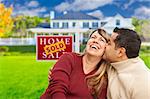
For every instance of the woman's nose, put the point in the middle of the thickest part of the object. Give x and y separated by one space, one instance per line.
95 41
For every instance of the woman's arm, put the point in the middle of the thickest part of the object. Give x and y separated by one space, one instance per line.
58 87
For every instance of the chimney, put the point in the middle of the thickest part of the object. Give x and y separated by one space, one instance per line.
52 14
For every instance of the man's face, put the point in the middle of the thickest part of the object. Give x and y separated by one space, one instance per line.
111 53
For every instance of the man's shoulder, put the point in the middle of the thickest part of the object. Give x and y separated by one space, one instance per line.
110 70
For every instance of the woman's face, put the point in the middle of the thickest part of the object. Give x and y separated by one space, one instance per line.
96 45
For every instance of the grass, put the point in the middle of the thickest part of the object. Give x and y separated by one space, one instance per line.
146 58
22 77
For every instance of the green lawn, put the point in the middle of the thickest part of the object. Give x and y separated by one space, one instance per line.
146 58
22 77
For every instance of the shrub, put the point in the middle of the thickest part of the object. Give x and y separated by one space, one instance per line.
4 49
145 49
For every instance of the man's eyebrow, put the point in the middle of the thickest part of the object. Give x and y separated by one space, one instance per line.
108 40
111 39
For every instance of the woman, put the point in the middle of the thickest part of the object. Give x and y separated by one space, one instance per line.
81 76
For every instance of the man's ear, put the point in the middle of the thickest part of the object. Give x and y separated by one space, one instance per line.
121 52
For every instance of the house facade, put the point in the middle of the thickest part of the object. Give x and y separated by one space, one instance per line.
73 20
77 20
117 21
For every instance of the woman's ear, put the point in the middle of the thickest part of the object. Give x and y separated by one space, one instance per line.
121 51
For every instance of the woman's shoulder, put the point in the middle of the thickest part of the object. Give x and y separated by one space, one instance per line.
71 54
71 57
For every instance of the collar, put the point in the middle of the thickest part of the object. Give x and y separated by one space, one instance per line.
126 64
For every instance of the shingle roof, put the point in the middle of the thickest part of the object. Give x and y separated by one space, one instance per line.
75 16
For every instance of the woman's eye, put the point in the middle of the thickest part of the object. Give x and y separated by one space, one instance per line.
92 37
102 40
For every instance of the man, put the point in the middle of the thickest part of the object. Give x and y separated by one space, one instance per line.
128 77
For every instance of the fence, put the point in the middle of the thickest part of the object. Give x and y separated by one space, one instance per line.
17 41
30 41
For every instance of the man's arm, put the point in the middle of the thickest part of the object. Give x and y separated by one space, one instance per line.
49 75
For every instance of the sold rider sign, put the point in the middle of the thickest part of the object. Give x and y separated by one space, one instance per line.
52 47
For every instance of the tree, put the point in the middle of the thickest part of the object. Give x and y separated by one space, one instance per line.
145 30
19 26
142 28
6 23
21 23
137 24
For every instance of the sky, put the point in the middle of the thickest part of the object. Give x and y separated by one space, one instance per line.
97 8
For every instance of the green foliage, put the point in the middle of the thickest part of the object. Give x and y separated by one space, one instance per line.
137 24
22 49
145 49
17 50
142 27
21 23
82 47
47 19
4 49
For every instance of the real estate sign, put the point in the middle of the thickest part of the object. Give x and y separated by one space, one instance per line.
52 47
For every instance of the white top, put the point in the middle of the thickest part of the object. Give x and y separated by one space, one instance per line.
129 79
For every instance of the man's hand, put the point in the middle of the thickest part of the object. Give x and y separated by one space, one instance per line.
49 76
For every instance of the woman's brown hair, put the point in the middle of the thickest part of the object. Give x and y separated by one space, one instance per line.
98 81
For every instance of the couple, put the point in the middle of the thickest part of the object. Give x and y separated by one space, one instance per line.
109 68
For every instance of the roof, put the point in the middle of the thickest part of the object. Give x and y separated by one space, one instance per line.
75 16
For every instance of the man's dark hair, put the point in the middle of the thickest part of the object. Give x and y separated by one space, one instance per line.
128 39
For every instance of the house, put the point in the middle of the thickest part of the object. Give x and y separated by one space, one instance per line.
73 20
119 21
84 21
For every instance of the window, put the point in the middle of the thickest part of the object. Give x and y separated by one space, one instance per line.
56 25
73 24
117 22
65 25
95 24
85 24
